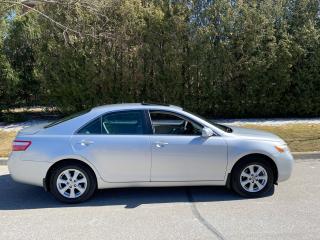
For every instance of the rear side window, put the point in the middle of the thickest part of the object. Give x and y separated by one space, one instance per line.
117 123
123 123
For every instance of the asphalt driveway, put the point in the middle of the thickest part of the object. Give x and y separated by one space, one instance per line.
292 212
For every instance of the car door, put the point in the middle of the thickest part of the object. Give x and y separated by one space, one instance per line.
180 153
118 145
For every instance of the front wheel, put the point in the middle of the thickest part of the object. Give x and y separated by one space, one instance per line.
72 183
253 178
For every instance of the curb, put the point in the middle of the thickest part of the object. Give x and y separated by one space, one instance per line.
3 161
306 155
296 155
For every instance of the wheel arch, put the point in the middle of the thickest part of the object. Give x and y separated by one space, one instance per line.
251 156
46 180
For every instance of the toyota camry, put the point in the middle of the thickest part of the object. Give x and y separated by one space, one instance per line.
146 145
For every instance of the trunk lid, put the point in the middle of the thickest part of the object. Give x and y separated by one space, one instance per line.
32 129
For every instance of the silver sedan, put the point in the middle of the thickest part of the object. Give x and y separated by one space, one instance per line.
146 145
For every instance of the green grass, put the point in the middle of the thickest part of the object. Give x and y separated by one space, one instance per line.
6 139
300 137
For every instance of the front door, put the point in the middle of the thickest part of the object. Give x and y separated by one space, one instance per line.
180 153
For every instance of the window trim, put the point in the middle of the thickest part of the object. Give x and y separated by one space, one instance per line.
146 130
175 114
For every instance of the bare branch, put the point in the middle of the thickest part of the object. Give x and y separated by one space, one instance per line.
60 25
82 4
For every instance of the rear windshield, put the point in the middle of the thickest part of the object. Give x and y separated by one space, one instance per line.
67 118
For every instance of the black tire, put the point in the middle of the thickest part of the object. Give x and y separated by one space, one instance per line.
88 174
238 169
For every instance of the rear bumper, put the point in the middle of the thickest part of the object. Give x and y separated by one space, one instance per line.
26 171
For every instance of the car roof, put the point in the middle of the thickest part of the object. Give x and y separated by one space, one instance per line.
131 106
70 126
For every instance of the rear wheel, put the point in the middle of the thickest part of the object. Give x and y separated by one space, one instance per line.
72 183
253 178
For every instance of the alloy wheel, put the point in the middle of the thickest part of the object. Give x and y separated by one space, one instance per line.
253 178
71 183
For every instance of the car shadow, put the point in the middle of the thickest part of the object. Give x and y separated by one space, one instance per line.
17 196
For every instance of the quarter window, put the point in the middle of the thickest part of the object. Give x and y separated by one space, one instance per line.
93 127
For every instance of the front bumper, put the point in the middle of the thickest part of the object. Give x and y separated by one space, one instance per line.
26 171
284 162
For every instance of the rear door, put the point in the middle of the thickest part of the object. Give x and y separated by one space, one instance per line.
118 145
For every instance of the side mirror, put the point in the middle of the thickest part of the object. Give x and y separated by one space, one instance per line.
207 132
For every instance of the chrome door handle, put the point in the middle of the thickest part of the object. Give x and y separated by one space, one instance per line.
160 144
86 142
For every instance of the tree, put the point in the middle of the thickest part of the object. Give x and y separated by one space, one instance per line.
8 77
220 58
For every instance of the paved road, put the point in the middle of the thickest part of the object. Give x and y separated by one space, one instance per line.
292 212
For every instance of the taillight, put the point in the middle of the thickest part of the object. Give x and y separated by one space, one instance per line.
19 145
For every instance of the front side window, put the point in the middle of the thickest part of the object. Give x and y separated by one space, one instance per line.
172 124
220 126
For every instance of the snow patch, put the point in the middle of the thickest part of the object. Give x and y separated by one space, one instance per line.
269 121
14 127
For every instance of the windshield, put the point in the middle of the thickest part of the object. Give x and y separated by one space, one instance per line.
66 118
220 126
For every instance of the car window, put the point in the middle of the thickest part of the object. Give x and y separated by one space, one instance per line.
220 126
67 118
129 122
93 127
172 124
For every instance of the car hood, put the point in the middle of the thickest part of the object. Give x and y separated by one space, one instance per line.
255 134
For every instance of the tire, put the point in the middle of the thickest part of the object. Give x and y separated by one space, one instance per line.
80 186
255 186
